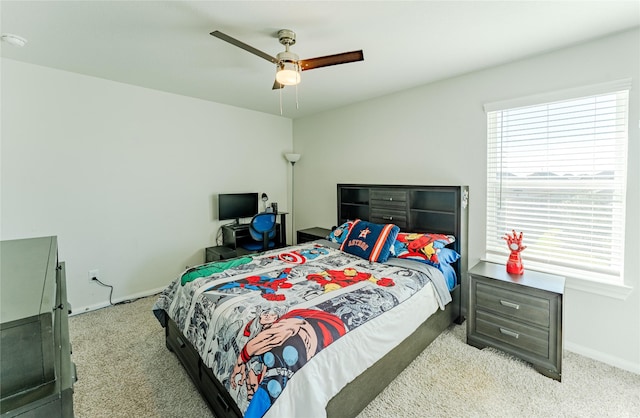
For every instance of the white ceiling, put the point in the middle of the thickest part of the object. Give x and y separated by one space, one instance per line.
165 45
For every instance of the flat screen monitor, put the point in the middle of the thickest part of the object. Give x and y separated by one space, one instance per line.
237 205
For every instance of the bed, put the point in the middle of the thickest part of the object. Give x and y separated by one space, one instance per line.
322 327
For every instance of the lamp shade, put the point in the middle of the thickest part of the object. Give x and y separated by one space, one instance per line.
292 158
288 69
288 75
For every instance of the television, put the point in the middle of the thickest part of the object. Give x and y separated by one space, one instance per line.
237 205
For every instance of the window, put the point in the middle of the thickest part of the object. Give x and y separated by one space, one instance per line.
556 171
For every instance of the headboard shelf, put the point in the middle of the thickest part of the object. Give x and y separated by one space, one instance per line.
433 200
355 195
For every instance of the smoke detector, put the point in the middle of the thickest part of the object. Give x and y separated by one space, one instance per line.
14 40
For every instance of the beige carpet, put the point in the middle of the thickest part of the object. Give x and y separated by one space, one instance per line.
125 370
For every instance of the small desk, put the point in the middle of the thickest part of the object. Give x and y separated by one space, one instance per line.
235 234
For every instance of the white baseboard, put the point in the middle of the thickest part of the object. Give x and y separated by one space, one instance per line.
89 308
604 358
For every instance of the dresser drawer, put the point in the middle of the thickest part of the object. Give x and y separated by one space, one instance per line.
512 304
522 337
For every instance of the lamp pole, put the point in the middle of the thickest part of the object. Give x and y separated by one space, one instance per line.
292 158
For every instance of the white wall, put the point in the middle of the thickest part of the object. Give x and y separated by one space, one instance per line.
126 177
436 134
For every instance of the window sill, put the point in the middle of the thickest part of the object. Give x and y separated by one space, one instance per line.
602 288
612 290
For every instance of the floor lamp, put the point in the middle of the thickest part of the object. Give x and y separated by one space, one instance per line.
292 158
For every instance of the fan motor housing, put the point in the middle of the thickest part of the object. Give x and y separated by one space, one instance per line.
287 56
287 37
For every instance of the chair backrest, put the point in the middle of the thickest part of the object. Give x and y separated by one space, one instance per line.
263 228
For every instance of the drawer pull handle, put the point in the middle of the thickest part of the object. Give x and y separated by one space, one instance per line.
509 333
222 402
180 342
509 304
390 199
388 218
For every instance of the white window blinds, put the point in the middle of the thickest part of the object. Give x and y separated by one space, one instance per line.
557 172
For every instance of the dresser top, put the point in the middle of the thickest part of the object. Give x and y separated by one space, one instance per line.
530 278
27 277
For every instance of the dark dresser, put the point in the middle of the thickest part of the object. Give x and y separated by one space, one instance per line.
518 314
36 371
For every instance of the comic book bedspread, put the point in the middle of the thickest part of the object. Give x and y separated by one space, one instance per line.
256 321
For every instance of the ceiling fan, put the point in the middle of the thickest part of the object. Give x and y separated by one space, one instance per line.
288 64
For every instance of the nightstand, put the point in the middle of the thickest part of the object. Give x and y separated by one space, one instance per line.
312 234
219 253
518 314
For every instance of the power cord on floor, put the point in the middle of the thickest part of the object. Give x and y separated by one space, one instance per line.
111 293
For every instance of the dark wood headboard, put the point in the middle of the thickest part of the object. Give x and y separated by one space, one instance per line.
440 209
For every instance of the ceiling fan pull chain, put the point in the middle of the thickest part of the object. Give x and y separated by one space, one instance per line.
280 93
297 107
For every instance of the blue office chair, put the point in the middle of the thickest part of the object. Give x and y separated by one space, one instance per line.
263 230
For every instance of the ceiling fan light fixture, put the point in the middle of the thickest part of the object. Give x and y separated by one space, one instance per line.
288 74
288 64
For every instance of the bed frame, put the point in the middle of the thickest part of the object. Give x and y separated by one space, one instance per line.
441 209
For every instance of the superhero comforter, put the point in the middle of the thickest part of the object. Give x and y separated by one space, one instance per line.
297 324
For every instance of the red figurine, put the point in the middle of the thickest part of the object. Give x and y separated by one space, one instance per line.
514 264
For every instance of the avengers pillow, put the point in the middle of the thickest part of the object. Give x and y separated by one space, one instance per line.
421 247
370 241
340 233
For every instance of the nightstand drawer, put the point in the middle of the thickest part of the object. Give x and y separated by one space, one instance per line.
514 305
521 336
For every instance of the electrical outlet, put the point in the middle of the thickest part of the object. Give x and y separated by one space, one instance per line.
94 273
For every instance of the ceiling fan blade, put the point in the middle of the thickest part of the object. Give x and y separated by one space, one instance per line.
239 44
344 58
277 85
